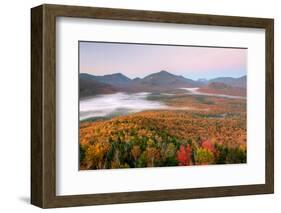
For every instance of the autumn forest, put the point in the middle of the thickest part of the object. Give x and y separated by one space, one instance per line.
192 113
187 129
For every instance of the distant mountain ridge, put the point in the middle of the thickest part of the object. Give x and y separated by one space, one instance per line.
163 80
234 82
89 86
156 82
116 79
222 88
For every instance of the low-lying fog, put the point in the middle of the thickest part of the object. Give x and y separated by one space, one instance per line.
117 104
111 105
194 91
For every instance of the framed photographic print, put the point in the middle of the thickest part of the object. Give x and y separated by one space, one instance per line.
137 106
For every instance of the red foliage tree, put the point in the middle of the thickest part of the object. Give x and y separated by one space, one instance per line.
184 155
208 145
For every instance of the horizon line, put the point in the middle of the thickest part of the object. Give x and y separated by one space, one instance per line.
162 71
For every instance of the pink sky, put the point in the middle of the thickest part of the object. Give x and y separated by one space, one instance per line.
135 60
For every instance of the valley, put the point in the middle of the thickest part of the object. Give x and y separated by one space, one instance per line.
161 120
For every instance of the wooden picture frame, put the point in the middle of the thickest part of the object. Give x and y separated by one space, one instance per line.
43 105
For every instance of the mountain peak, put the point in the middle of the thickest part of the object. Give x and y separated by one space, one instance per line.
164 72
116 74
168 80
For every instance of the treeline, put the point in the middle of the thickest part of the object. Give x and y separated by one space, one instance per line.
156 150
